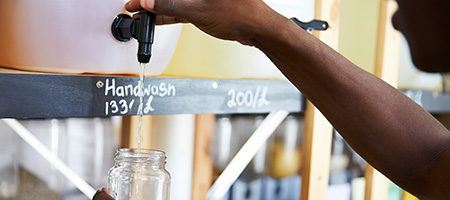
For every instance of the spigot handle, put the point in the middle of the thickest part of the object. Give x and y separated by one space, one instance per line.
142 29
121 27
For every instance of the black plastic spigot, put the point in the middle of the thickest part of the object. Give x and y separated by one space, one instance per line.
124 27
145 35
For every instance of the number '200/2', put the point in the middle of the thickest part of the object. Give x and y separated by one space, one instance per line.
248 98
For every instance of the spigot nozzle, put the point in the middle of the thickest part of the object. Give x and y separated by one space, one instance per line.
145 35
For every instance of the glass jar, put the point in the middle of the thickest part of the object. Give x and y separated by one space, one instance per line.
139 176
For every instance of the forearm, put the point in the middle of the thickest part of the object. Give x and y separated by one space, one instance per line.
384 126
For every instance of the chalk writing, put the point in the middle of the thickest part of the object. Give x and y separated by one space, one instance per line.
128 94
162 89
248 98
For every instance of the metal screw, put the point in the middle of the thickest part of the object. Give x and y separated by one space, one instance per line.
215 85
100 84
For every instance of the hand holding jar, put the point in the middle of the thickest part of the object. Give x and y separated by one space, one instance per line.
102 195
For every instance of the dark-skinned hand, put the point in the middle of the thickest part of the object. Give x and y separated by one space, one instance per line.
102 195
239 20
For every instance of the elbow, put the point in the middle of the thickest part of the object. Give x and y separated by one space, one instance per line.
436 183
431 190
430 178
434 196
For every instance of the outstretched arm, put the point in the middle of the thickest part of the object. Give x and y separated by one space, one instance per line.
389 130
385 127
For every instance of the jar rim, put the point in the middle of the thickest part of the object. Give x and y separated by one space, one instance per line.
145 155
143 151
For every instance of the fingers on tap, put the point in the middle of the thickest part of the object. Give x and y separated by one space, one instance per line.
137 5
133 5
162 19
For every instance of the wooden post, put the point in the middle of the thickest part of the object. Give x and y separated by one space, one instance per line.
125 132
388 44
130 127
318 131
317 151
202 175
376 184
386 67
328 10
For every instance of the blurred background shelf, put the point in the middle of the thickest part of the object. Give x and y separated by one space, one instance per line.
53 96
435 102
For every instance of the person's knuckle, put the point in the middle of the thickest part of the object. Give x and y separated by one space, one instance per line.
165 6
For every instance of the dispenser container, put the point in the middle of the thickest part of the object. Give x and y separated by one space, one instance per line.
250 184
285 149
74 37
224 144
255 170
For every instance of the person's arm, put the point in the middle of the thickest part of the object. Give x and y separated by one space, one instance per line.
385 127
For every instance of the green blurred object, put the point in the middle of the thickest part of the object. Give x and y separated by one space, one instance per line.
394 192
358 188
